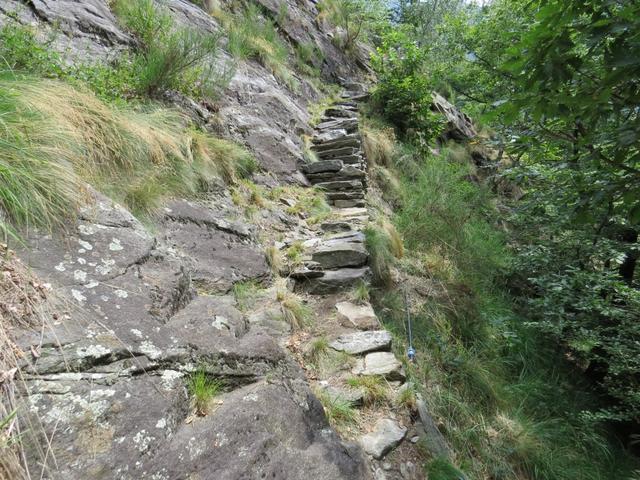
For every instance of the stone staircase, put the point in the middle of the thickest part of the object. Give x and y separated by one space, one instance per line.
335 261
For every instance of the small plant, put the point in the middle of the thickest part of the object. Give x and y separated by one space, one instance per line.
339 412
375 388
407 398
295 312
295 252
203 389
246 294
360 293
318 350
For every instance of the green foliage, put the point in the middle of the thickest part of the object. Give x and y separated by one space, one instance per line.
441 469
360 293
172 58
403 94
374 387
339 412
357 18
253 35
309 58
203 389
246 294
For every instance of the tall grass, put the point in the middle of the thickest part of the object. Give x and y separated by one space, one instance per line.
251 34
509 405
56 138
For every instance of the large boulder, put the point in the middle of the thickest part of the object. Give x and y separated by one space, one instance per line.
459 124
361 317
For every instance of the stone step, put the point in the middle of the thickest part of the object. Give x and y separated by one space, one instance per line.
352 315
347 140
334 281
340 112
335 226
348 124
358 213
386 435
340 254
380 363
355 396
323 166
354 195
337 153
331 136
362 342
348 203
341 185
346 173
350 236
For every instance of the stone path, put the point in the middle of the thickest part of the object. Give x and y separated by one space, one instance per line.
335 262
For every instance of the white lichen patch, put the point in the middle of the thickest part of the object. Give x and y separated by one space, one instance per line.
81 261
142 441
80 276
121 294
77 294
136 332
87 229
251 397
92 284
94 351
60 267
106 266
150 350
169 377
115 245
86 245
195 448
220 323
162 423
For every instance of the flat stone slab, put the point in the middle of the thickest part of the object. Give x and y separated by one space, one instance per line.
361 317
335 226
334 281
386 436
339 152
348 203
330 136
341 185
340 254
352 212
323 166
355 396
362 342
380 363
340 112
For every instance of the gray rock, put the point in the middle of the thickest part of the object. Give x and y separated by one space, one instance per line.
337 153
348 203
323 166
357 316
336 280
330 136
354 195
362 342
341 185
352 140
435 442
335 226
380 363
348 124
340 255
355 396
386 436
340 112
459 125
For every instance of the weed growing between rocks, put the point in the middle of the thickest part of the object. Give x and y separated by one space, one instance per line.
203 390
360 294
375 388
246 294
340 412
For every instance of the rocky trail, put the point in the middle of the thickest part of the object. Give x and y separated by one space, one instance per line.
137 311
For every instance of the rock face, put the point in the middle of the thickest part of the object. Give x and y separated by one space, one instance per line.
386 436
361 317
362 342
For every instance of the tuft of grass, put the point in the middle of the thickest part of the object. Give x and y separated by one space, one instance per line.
396 245
203 389
295 252
295 312
312 203
318 350
360 293
407 398
379 145
380 257
274 259
339 412
172 57
252 35
246 294
375 388
308 56
55 138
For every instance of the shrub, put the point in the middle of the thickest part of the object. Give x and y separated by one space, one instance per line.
356 18
172 58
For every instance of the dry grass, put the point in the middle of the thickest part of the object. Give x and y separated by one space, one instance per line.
23 304
379 145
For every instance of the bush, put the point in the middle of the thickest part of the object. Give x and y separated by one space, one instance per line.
172 58
403 94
